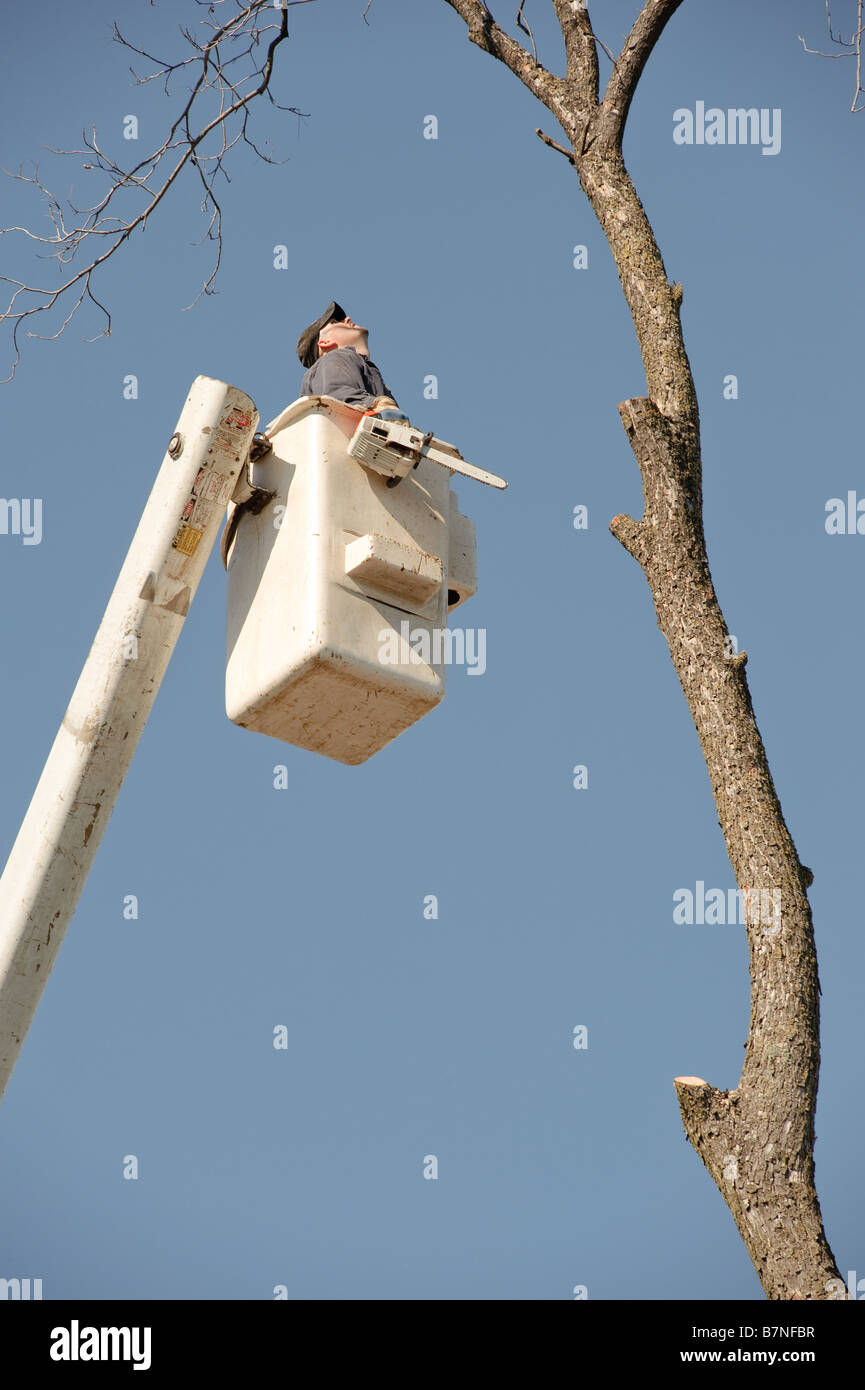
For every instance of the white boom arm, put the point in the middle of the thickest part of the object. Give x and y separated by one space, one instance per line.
75 796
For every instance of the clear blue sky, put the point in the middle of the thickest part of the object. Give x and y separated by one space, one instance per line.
304 907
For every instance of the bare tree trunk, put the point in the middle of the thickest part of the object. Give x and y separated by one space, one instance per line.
758 1140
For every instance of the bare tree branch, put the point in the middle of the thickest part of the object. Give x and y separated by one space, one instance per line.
853 47
580 50
483 31
230 73
628 67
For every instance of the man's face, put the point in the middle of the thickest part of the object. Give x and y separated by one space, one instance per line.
341 333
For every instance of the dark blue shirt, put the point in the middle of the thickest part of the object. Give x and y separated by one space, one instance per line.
347 375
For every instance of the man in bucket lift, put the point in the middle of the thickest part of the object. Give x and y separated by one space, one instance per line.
335 352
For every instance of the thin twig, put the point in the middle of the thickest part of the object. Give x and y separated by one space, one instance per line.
227 64
554 146
526 30
853 45
609 53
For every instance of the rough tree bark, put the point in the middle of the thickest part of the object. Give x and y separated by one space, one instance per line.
757 1141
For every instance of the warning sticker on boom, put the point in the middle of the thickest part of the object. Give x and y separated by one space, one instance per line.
212 486
210 491
186 540
239 418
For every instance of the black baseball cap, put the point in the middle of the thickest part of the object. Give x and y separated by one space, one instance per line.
307 343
